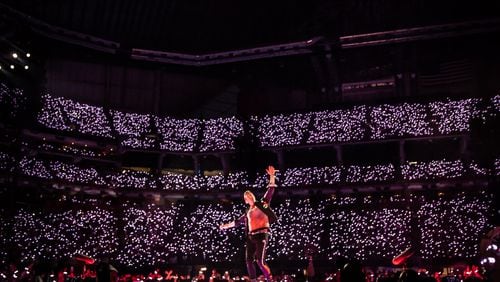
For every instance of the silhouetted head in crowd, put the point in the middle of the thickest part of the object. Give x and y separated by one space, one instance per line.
408 275
352 273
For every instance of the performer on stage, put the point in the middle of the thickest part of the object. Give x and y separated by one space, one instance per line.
257 219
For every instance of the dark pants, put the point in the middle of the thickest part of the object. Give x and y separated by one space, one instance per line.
256 251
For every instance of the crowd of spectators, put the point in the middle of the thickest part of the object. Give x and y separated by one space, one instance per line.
354 227
133 129
351 272
12 101
68 115
135 235
65 149
357 123
179 134
237 180
435 215
55 235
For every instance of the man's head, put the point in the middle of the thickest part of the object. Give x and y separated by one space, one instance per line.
249 197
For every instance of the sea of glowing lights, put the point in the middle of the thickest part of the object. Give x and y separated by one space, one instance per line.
292 177
360 227
187 135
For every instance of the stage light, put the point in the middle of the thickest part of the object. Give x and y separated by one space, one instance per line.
12 67
14 55
28 55
26 67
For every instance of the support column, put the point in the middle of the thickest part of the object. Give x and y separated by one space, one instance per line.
402 152
161 160
338 150
464 147
197 165
280 155
226 166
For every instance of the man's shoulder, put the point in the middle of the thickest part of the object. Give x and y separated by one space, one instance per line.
262 204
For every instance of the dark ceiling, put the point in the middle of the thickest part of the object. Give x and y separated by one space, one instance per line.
201 26
277 84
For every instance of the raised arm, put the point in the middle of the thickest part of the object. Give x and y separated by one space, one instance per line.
271 171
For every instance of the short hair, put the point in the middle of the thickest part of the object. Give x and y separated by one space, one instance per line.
248 192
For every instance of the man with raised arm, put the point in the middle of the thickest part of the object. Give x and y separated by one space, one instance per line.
257 219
